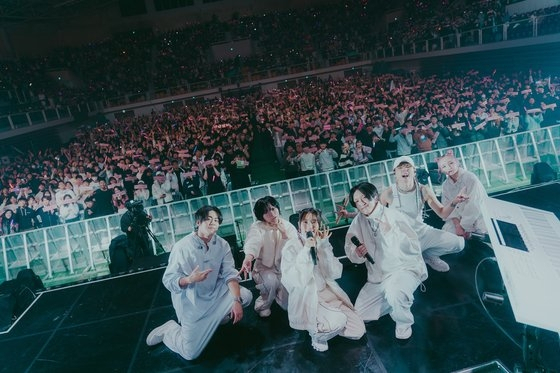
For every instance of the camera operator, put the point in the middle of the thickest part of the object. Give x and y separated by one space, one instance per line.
134 223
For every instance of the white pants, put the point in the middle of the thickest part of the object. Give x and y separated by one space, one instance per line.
478 227
436 242
271 289
394 296
333 314
190 338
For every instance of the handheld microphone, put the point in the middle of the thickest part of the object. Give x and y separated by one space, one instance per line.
357 242
312 249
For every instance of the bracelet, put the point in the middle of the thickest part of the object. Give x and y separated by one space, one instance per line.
238 299
453 204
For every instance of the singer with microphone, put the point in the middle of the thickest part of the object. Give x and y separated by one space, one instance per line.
383 239
316 303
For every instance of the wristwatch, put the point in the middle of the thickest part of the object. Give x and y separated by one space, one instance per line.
238 299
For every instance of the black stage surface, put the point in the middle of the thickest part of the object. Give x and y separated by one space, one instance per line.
102 326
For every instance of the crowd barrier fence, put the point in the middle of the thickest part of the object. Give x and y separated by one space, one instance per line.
79 251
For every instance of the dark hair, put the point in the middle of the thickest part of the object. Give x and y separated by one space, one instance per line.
367 189
263 205
310 210
203 212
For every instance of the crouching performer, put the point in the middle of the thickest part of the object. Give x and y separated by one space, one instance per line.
316 303
204 288
383 238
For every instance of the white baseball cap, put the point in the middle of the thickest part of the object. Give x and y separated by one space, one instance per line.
403 159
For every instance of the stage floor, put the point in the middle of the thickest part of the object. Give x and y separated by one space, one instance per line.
101 326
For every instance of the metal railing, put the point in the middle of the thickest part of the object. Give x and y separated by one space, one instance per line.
77 251
13 122
515 29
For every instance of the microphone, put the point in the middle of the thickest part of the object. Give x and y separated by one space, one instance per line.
357 242
312 250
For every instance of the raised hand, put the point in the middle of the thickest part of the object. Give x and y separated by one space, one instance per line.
279 224
197 275
246 267
460 197
323 232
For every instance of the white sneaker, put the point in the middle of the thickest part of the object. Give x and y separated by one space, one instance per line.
259 303
319 345
264 313
480 237
403 332
436 263
156 335
319 340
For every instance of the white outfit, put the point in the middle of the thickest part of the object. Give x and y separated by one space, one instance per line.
173 182
69 211
316 302
59 196
158 190
398 267
265 244
306 162
201 306
325 160
469 212
434 242
141 194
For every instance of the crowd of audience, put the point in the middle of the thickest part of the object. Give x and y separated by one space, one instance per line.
421 22
141 61
205 147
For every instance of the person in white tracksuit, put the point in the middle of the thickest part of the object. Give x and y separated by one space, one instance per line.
316 303
409 196
384 240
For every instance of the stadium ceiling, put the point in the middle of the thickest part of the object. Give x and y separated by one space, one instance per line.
21 11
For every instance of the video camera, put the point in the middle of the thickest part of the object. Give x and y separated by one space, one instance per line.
139 216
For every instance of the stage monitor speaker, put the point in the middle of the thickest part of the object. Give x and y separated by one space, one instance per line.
542 173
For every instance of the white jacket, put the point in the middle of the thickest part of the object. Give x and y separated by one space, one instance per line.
265 244
162 192
300 277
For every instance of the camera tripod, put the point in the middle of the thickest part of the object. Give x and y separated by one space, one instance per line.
159 247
